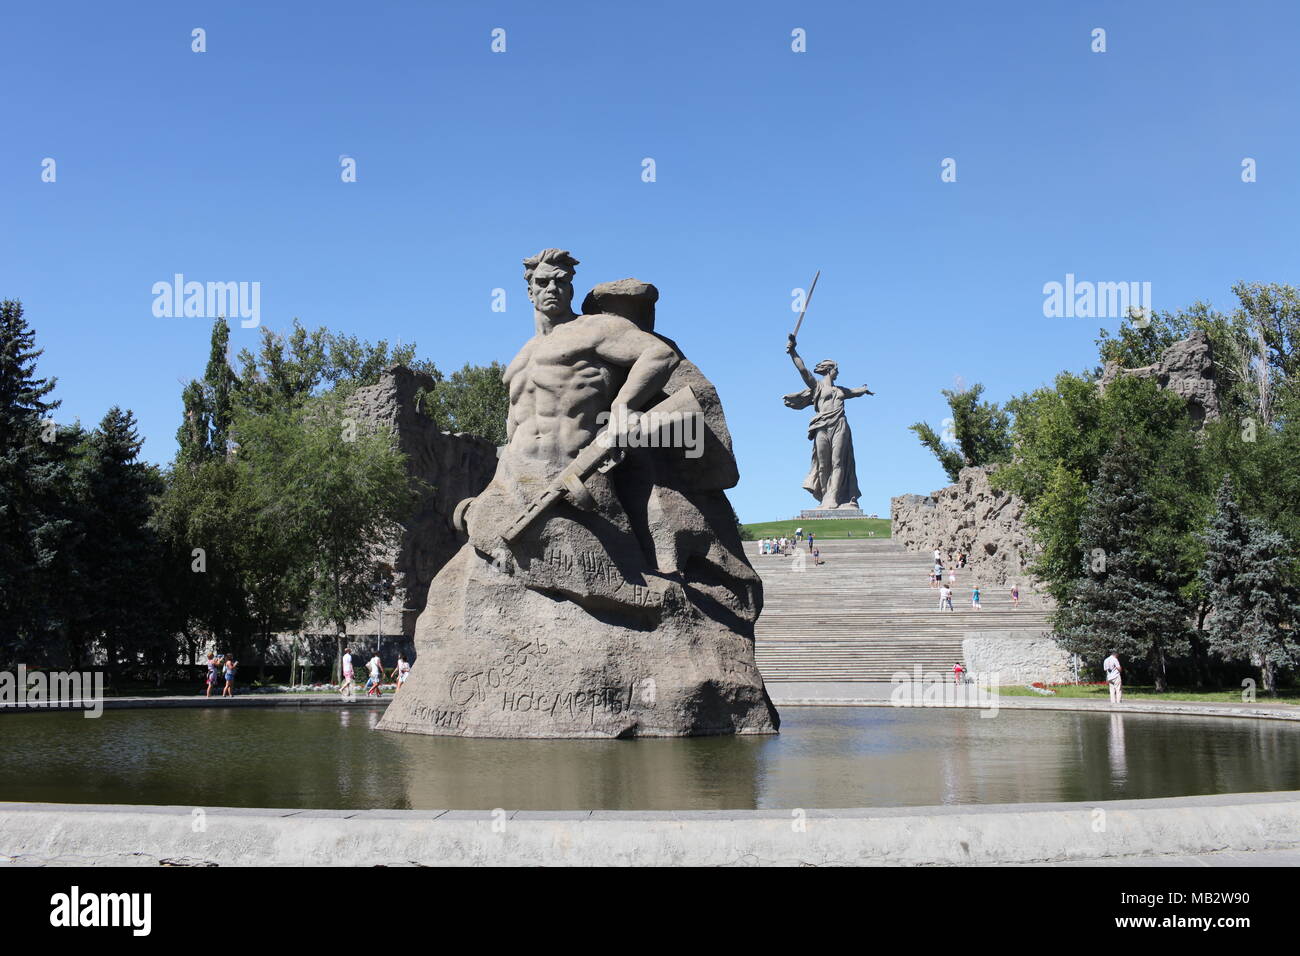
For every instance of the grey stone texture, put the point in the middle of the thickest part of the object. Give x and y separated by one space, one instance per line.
452 466
1016 658
971 516
1186 368
604 590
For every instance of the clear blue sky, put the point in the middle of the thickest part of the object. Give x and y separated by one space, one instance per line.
224 166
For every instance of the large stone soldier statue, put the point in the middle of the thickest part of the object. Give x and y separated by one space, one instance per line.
603 590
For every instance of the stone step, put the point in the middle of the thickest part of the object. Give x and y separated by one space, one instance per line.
869 613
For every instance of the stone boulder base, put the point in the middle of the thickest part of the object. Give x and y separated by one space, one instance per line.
504 660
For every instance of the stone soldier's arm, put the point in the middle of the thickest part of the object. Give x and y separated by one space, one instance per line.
648 360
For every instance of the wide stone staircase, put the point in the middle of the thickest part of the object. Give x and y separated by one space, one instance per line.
867 613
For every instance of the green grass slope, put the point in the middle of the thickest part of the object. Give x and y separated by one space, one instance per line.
827 529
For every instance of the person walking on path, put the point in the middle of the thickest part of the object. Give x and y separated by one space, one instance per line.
375 669
348 689
958 672
401 671
952 577
975 598
945 598
228 667
1113 679
212 673
1015 596
811 535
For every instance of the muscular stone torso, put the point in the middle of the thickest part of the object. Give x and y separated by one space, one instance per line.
558 386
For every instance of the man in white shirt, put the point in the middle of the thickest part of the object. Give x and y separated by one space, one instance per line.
376 670
1111 666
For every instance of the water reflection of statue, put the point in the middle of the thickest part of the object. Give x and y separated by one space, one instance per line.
833 478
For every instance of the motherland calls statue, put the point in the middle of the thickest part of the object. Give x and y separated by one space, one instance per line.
833 478
603 590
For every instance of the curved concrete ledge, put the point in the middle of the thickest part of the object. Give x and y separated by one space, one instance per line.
61 834
1142 706
1185 708
243 700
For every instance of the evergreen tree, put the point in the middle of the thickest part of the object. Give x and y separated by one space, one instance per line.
1246 577
119 552
34 474
1127 597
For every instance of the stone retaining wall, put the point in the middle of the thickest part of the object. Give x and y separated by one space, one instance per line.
1017 657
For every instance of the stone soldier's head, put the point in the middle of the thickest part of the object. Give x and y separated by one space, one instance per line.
549 275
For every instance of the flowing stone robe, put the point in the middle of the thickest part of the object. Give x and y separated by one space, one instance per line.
833 466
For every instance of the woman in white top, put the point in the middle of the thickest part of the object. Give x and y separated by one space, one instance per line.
402 670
